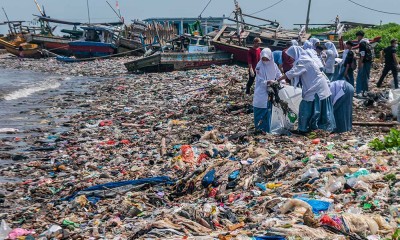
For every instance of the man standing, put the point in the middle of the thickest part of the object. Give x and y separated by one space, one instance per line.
391 63
253 57
364 64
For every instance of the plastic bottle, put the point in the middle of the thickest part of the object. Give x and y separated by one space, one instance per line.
4 230
310 173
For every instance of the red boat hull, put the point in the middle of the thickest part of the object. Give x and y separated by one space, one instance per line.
239 53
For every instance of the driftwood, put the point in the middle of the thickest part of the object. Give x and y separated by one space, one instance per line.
377 124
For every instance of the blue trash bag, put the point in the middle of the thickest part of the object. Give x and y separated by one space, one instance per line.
208 178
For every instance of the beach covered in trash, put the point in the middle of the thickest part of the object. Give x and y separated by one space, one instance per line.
175 156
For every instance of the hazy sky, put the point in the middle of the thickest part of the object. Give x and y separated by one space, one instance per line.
286 12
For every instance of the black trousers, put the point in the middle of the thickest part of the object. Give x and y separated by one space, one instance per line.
250 83
385 71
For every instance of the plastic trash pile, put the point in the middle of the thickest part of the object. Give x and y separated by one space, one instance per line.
174 156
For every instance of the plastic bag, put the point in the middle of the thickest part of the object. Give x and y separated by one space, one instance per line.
4 230
394 101
310 173
281 123
208 178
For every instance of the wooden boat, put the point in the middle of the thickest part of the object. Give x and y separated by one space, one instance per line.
238 39
172 61
98 42
15 42
19 47
53 44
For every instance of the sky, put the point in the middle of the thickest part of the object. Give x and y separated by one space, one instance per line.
286 12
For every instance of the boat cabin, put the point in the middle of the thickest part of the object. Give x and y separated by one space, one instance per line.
98 34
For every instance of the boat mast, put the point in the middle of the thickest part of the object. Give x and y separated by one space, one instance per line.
88 10
308 14
238 14
44 24
8 21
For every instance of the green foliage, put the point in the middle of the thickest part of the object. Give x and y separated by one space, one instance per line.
386 31
390 142
314 31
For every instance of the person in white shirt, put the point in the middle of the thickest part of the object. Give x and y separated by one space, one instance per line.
331 55
342 101
266 72
316 111
309 49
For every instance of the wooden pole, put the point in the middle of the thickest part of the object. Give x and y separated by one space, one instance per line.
377 124
88 11
308 14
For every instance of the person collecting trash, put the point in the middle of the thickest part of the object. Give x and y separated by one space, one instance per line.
308 48
315 111
331 55
266 73
342 101
253 57
364 64
287 62
349 64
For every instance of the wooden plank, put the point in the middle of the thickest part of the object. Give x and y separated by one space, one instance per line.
377 124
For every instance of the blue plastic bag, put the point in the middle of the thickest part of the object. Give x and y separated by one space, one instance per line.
208 178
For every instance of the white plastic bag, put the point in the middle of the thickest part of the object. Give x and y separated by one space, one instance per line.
4 230
281 123
394 101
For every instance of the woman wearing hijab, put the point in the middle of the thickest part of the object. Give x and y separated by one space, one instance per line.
342 101
316 111
314 42
331 55
287 62
266 72
308 48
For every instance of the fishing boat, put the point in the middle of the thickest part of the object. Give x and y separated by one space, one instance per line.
133 35
173 61
46 38
238 39
99 41
19 47
16 44
178 54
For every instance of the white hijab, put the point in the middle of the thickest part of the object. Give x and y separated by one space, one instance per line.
294 42
336 90
266 69
307 45
330 46
298 53
314 42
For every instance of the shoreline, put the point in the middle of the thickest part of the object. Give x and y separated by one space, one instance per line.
134 127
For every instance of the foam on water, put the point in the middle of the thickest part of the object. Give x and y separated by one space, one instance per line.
50 83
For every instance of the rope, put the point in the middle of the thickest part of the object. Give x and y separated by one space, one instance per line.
262 10
375 10
205 8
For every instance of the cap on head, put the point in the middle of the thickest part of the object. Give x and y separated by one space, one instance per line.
394 40
350 43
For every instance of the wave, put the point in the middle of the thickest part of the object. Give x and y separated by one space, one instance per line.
29 90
